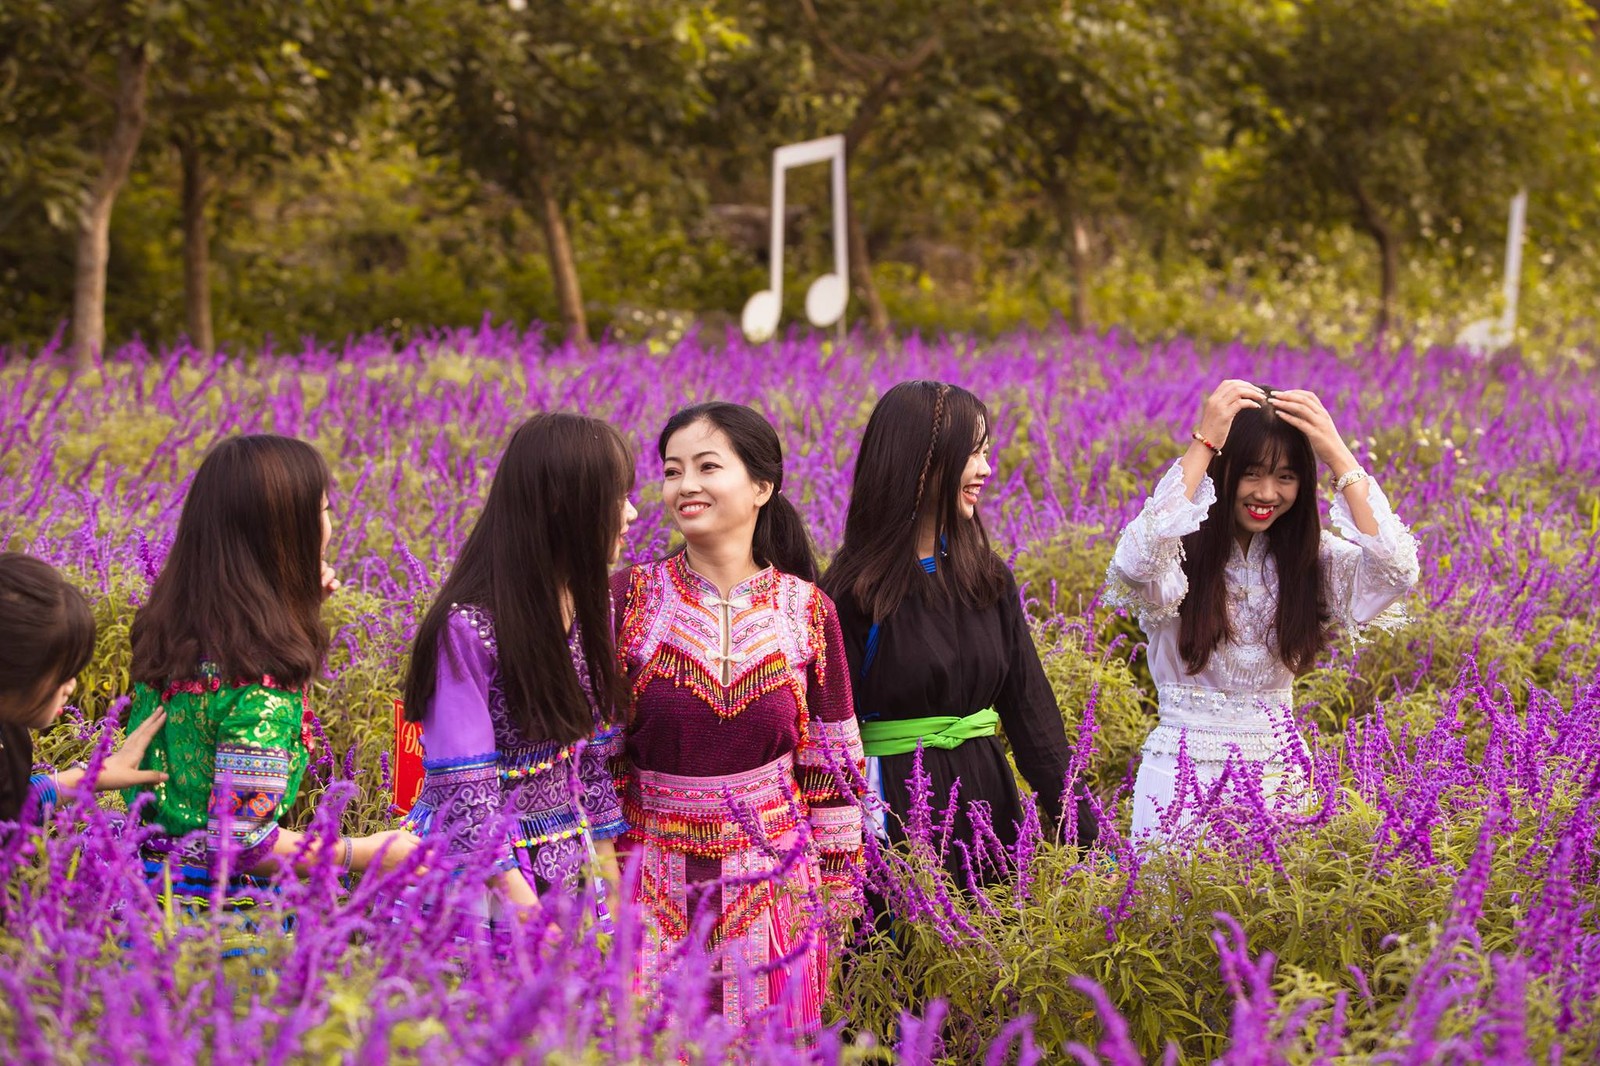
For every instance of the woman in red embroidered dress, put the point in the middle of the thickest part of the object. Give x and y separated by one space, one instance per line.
744 751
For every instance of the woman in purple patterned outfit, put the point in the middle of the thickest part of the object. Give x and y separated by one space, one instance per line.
513 673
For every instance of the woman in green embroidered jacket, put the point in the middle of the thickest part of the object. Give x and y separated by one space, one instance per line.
939 648
227 645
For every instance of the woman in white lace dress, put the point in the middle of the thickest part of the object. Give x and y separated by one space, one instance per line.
1236 584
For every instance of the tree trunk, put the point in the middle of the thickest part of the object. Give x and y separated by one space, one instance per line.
866 289
890 78
1388 253
196 247
557 241
1078 257
94 224
861 276
1078 253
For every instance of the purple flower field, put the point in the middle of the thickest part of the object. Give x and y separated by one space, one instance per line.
1435 903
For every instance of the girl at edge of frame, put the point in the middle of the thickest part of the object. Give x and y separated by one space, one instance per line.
939 645
514 672
47 636
227 646
739 682
1235 583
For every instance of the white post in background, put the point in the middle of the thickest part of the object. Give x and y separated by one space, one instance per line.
828 295
1513 281
1489 335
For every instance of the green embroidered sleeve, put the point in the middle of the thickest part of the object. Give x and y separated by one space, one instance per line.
226 749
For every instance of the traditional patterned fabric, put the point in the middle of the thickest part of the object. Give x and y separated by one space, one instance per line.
744 746
185 871
696 815
1242 701
598 773
529 803
247 794
43 787
757 915
729 652
227 750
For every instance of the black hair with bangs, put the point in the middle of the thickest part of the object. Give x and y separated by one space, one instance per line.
1259 439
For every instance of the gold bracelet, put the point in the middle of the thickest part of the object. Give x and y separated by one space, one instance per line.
1351 477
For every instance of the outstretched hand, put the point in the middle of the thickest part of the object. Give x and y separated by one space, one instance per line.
121 768
1223 405
1303 410
386 848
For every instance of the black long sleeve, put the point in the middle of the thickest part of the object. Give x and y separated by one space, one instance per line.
934 657
1029 712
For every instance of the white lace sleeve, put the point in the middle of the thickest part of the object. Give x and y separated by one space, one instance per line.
1369 573
1146 572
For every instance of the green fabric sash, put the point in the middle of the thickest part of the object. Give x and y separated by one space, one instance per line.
900 738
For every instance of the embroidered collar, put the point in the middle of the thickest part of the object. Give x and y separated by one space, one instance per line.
695 586
1255 558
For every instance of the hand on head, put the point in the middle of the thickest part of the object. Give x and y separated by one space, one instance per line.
1223 406
1303 410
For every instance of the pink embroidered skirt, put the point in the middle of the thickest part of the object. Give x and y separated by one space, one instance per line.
721 857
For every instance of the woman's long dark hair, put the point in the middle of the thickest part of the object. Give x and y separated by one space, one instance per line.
913 454
549 524
780 540
1258 438
46 634
242 587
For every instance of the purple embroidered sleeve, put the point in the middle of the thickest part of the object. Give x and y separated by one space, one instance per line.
461 794
600 800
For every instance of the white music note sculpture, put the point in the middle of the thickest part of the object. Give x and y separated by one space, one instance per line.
827 296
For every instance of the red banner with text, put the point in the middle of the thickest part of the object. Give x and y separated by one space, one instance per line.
407 766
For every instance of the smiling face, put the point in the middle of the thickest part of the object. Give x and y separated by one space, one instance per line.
1267 490
974 474
707 489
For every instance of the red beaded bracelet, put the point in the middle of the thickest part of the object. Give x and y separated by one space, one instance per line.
1197 437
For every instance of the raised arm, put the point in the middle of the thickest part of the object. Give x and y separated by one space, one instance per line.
1369 572
1146 572
1367 580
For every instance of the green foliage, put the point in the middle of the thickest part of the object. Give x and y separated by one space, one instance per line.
1172 167
1337 905
1339 910
1442 109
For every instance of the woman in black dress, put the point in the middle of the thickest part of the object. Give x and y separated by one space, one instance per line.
938 645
